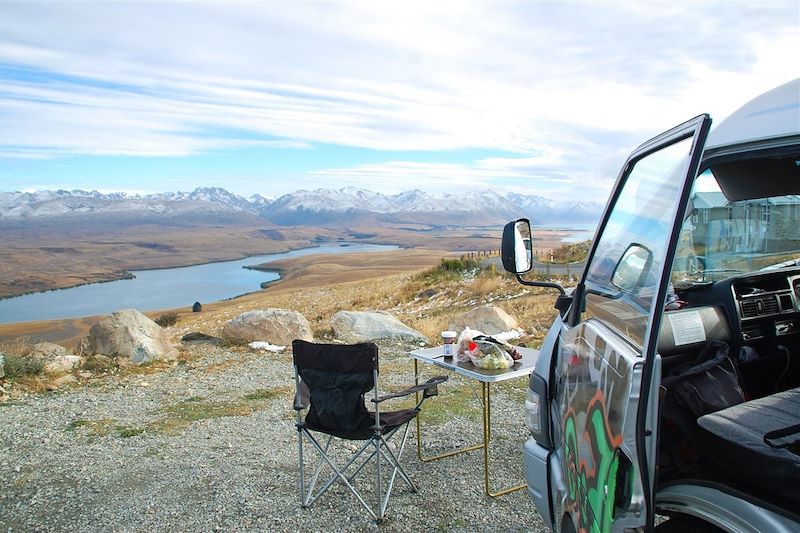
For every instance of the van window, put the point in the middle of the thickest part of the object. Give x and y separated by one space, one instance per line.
721 238
639 221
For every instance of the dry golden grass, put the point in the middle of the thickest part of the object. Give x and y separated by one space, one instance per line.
423 302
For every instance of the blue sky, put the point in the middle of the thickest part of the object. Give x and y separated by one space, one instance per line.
542 98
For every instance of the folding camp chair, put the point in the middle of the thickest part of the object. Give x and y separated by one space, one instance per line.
331 381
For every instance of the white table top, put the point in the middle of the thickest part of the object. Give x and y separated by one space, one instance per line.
435 356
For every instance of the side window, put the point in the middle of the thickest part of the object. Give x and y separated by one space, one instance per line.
622 279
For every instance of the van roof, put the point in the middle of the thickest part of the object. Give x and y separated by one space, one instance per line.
772 115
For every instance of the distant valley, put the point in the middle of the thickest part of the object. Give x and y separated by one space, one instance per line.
56 239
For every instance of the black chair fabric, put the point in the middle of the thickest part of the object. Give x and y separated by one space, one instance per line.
338 376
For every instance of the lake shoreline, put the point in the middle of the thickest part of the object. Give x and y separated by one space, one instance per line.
162 288
129 274
299 273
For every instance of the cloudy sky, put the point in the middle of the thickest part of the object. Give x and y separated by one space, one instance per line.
539 97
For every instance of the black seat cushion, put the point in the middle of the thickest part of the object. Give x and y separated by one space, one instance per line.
733 441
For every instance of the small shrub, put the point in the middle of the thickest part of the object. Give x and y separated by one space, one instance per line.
167 319
18 366
99 363
261 394
448 270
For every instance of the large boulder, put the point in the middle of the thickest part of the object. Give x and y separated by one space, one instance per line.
488 319
128 333
276 326
366 326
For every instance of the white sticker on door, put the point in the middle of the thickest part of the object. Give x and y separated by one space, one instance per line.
687 328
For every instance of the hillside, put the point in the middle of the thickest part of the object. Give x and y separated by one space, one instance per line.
425 300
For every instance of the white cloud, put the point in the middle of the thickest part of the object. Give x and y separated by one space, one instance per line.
569 86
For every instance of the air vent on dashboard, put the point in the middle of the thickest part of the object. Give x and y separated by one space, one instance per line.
770 304
749 309
764 305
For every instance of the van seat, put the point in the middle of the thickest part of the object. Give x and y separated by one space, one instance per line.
757 442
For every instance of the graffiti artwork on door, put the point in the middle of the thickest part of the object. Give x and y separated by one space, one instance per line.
593 392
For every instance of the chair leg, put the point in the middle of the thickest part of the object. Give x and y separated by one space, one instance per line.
337 474
377 449
396 462
342 470
377 440
306 497
302 465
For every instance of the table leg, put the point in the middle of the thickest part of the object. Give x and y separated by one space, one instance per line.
426 459
487 436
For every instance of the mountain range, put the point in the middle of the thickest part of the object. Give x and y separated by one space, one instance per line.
321 207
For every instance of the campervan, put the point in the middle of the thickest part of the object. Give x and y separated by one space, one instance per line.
667 391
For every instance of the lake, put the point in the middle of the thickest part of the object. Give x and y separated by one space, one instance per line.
579 231
162 288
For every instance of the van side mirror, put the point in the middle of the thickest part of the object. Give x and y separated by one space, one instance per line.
516 252
516 249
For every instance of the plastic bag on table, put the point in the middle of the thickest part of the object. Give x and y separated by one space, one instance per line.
490 355
465 345
512 351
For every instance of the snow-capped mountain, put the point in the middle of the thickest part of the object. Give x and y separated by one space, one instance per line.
318 207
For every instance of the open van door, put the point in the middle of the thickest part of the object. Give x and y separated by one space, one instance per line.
605 370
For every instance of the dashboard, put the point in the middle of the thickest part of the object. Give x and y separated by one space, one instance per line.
762 305
767 305
762 311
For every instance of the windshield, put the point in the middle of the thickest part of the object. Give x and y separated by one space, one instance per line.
720 238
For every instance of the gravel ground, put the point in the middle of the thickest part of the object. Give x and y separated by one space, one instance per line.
211 445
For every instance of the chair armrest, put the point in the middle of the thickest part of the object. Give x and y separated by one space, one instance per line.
429 387
302 397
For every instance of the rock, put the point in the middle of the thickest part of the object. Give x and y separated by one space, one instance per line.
2 364
196 337
62 364
128 333
65 380
47 351
276 326
366 326
489 319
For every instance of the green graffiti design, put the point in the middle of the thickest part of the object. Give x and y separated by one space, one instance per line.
591 488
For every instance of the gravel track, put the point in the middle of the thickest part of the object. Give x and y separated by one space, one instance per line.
103 456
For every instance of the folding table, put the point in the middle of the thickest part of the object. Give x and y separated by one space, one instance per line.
523 367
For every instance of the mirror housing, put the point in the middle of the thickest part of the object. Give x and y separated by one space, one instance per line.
516 252
516 249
